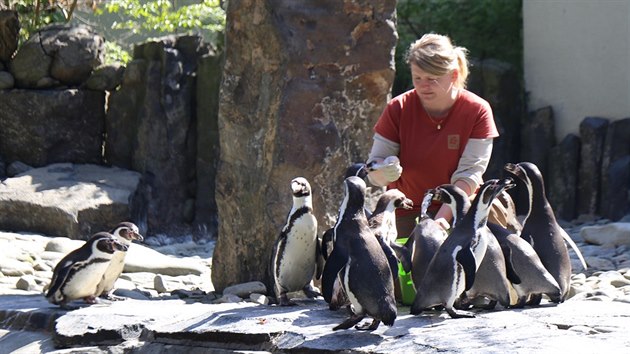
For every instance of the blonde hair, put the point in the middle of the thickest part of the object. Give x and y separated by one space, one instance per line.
436 55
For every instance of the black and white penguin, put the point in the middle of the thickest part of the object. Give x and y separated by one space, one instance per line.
424 241
533 277
452 269
125 232
365 273
356 169
491 278
78 274
293 260
383 224
542 231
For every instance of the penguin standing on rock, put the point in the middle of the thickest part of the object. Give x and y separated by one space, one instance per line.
78 274
364 274
125 233
293 261
452 269
542 231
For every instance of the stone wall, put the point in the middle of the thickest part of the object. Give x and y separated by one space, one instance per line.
60 104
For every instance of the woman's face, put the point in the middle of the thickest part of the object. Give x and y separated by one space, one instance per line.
431 87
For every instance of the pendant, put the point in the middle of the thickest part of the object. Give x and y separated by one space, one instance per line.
439 126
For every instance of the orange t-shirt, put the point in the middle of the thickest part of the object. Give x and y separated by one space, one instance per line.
429 156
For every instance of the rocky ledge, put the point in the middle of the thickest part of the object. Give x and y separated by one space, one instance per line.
172 308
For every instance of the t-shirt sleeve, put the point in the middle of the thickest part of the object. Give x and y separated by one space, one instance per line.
485 126
389 122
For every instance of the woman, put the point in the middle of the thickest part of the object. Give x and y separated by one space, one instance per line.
439 131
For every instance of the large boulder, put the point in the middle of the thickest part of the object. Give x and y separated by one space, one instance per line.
58 54
152 127
69 200
300 93
41 127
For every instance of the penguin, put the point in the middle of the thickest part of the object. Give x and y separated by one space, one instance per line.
534 279
491 278
356 169
383 224
78 274
125 233
424 241
452 269
542 231
364 274
293 260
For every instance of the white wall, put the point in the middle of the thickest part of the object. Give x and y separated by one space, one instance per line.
577 59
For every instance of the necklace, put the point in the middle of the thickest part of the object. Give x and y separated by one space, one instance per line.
437 122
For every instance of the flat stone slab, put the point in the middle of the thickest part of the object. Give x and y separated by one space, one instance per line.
70 200
575 326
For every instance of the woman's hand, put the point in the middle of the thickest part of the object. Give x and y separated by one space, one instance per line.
386 172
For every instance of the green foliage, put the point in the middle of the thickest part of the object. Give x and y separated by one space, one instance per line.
114 53
35 14
487 28
162 17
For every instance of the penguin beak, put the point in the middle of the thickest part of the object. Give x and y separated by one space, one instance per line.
138 237
120 247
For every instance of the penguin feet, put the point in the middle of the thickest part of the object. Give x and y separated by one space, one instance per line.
459 314
90 299
372 326
354 319
284 301
112 297
534 299
311 292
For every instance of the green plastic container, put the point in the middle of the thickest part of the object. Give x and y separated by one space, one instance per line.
407 290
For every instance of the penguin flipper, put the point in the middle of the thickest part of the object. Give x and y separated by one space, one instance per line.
60 275
510 272
575 248
319 259
336 261
466 258
392 259
327 242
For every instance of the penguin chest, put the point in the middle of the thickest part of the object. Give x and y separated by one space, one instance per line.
297 261
388 228
83 281
112 272
480 246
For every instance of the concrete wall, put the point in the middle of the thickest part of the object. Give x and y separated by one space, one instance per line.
577 59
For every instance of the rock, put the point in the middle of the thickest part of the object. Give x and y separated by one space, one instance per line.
69 200
592 134
610 234
65 53
42 127
244 290
143 259
228 299
27 283
164 284
6 80
259 299
17 167
63 245
11 267
305 102
105 77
